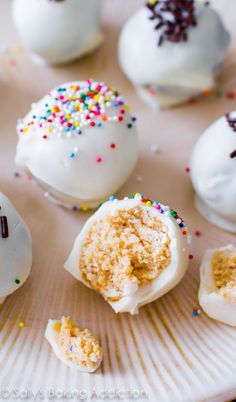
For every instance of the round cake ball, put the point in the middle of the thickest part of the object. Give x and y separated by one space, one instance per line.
177 48
79 142
131 251
213 173
15 249
217 292
73 345
57 31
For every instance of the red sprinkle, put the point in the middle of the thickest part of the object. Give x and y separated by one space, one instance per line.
99 159
45 137
190 256
197 233
120 118
187 169
92 124
230 95
112 146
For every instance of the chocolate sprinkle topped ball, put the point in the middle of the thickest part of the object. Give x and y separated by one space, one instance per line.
174 18
232 123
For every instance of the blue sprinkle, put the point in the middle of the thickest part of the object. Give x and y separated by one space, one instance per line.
99 124
79 132
112 198
72 155
71 348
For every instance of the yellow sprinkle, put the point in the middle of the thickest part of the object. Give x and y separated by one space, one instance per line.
49 129
25 129
68 116
85 208
76 124
127 107
17 48
57 326
153 1
148 203
21 324
96 97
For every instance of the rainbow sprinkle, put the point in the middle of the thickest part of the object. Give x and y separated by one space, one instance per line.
162 209
71 107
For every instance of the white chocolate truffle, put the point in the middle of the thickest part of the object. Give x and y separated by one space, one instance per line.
15 249
131 251
174 61
57 31
217 292
73 345
213 173
79 143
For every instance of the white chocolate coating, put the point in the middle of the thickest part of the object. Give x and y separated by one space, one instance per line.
134 297
58 31
15 251
79 165
177 71
214 304
213 174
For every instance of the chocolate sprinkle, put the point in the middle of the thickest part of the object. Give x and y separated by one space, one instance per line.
232 123
4 227
233 154
174 18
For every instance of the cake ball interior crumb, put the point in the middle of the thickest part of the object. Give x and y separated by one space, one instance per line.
77 344
125 250
224 270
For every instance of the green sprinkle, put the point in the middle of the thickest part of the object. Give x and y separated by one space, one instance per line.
17 281
129 125
173 213
219 94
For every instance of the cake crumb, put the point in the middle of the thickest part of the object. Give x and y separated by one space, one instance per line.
124 251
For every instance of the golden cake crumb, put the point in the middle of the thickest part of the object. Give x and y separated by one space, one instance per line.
126 249
77 344
224 269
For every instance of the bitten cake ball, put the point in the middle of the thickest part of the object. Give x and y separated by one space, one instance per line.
79 143
177 48
217 293
131 251
57 31
15 249
73 345
213 173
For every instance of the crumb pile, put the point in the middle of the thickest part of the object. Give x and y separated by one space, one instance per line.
127 248
77 344
224 271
